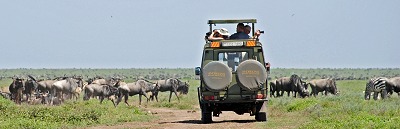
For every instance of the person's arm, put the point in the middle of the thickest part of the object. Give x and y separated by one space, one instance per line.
211 37
257 34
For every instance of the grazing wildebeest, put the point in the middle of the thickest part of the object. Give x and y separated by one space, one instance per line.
170 85
376 85
102 91
67 86
272 89
43 86
183 87
393 85
130 89
30 88
320 85
16 88
291 84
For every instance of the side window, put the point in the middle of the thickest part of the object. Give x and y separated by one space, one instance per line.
233 59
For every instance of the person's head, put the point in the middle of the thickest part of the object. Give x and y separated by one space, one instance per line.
223 33
247 29
240 27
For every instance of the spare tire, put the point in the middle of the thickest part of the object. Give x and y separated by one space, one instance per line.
216 75
251 74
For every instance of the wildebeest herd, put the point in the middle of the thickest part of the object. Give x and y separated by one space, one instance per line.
293 84
56 91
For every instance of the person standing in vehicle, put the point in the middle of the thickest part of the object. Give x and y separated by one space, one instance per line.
219 34
240 34
248 29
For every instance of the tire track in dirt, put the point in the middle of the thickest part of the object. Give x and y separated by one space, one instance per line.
185 119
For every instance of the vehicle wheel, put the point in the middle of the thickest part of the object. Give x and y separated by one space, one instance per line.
261 116
205 115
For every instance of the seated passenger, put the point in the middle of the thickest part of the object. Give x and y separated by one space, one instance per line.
240 34
219 34
248 29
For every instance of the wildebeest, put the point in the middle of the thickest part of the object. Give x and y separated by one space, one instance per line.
130 89
67 86
291 84
43 86
183 87
102 91
102 81
30 88
170 85
272 89
16 88
376 85
5 95
393 85
320 85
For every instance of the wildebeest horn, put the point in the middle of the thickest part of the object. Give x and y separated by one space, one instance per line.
30 76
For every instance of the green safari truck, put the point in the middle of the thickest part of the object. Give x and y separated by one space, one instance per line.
233 75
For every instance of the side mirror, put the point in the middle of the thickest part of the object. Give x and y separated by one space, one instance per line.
197 70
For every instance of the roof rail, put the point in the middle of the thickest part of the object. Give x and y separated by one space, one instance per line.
230 21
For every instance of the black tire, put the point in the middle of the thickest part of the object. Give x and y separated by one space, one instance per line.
261 116
205 115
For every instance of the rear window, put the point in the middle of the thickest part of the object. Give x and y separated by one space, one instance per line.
233 59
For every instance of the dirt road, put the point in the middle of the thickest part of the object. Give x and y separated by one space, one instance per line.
185 119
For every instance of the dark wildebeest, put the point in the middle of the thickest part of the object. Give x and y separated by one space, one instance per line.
30 88
272 89
291 84
183 87
16 88
130 89
326 85
170 85
102 91
67 86
393 85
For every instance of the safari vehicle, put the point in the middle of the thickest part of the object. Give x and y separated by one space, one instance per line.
233 76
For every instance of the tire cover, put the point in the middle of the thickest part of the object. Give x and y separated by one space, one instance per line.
216 75
251 74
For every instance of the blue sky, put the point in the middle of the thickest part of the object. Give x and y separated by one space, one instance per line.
169 34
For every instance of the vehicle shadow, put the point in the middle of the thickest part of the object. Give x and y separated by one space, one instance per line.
199 121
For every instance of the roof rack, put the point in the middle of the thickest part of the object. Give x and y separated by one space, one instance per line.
230 21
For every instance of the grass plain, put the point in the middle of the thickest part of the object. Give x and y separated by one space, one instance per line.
346 110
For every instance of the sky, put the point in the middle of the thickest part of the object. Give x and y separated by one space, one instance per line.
170 34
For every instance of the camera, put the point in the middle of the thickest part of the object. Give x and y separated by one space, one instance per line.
261 31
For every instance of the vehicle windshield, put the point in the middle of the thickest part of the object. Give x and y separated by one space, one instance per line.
233 59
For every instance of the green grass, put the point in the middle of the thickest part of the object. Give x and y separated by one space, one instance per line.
70 114
347 110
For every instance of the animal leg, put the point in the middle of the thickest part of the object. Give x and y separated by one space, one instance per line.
101 99
176 94
126 99
170 94
156 95
375 95
384 94
140 99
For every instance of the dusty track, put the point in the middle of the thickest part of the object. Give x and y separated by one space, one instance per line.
184 119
